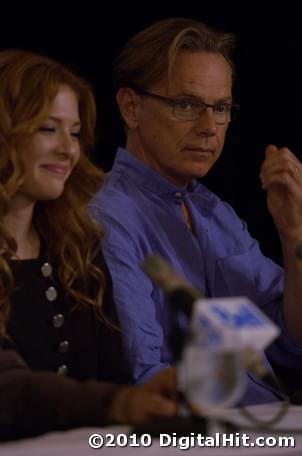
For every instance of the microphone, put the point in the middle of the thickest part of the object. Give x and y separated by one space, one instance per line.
232 328
180 294
221 380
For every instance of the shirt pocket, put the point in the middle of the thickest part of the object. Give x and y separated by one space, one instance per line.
234 276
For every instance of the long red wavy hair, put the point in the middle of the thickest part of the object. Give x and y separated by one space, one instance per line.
28 84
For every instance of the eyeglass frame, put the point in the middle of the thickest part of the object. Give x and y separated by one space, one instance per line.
198 103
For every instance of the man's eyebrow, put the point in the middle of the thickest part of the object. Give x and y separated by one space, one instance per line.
195 97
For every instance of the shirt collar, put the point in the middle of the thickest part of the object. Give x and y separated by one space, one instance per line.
146 177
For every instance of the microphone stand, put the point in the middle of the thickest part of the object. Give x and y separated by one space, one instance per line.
187 421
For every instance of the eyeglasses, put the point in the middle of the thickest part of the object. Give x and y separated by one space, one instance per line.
188 109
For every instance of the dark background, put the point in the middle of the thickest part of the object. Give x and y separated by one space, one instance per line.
88 36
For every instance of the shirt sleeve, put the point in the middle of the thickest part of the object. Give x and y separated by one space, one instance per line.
113 366
142 333
141 327
32 403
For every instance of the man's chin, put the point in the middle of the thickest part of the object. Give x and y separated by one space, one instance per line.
201 171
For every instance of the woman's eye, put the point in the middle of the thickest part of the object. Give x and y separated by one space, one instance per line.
47 129
76 134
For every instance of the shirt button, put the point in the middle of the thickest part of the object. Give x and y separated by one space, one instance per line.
58 320
62 370
178 195
46 270
51 293
63 346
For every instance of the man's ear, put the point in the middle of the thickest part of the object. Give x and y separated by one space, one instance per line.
129 104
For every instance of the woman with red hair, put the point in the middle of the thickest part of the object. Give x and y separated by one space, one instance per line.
60 341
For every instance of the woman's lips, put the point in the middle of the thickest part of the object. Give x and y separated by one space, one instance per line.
58 170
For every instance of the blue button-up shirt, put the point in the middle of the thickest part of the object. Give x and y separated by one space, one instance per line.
140 212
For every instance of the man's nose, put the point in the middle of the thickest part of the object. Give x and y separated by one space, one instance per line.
206 122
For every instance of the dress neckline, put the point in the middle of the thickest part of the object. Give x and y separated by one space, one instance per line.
41 256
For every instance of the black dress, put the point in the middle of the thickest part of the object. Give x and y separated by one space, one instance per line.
55 353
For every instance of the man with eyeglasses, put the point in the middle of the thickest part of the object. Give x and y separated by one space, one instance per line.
174 91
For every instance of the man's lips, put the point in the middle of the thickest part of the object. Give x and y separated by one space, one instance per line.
200 150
